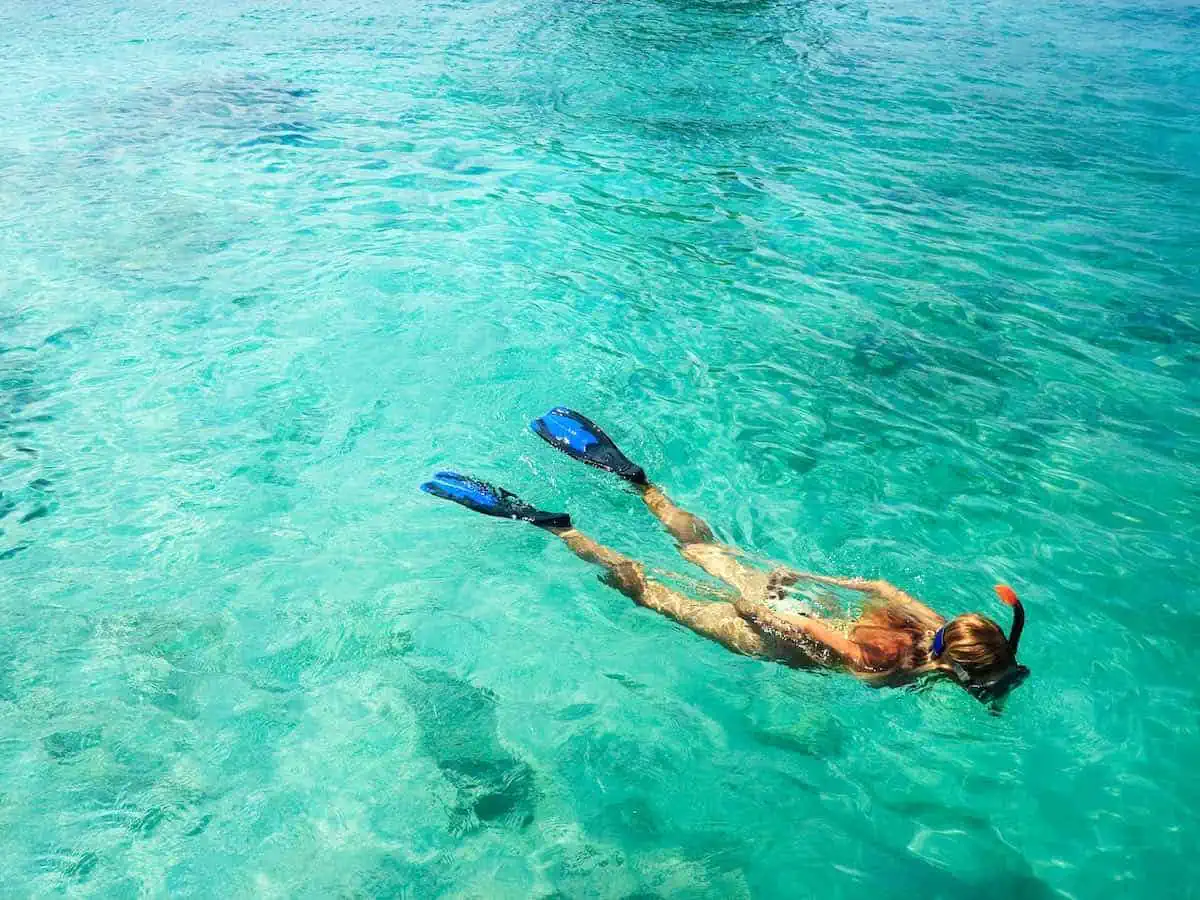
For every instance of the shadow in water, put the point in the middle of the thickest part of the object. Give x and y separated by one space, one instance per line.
459 732
28 494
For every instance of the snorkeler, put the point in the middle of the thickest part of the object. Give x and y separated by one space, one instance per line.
895 640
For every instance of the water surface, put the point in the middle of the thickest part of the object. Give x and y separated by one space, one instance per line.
882 288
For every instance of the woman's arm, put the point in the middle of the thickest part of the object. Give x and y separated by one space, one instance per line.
823 643
885 590
866 585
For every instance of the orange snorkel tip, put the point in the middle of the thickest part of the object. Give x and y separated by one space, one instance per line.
1007 595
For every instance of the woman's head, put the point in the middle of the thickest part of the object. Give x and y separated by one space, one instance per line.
974 650
977 644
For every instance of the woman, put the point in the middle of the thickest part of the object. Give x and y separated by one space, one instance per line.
894 641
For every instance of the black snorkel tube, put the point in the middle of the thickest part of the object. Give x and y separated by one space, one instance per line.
998 686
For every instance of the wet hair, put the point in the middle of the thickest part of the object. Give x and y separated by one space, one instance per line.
913 620
977 644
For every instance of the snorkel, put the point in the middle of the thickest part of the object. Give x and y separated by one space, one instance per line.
997 686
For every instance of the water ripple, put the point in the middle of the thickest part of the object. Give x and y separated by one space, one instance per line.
878 289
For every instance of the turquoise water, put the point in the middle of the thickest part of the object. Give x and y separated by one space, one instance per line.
894 289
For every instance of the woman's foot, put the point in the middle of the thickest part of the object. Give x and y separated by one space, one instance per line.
491 500
582 439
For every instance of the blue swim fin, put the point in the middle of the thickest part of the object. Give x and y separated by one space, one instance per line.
581 438
491 500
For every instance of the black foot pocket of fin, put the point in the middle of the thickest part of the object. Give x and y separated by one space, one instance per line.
491 500
581 438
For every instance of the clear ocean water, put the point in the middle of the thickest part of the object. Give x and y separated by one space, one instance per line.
899 289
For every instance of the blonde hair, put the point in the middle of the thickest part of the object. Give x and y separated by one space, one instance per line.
977 644
972 641
912 619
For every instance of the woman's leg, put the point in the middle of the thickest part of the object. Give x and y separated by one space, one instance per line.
697 545
717 621
683 525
